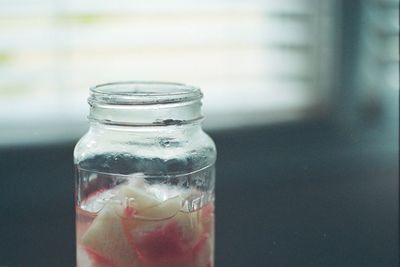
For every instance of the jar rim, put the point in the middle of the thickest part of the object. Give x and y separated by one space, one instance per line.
143 93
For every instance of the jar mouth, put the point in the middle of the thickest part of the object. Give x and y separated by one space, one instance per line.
137 103
143 93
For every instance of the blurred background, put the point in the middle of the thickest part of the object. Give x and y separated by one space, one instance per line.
301 98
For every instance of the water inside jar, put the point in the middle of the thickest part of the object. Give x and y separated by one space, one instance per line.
139 220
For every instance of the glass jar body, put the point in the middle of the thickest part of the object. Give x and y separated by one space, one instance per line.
145 196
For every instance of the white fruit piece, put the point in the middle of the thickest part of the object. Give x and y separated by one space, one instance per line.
138 198
153 217
161 211
106 237
117 232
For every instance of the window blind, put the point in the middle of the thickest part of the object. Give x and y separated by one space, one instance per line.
256 61
379 53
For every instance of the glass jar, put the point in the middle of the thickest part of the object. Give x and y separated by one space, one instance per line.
145 178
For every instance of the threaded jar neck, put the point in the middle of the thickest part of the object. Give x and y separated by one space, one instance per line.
145 104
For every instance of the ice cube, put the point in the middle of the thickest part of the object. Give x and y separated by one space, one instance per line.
95 203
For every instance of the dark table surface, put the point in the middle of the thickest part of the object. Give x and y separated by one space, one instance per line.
306 194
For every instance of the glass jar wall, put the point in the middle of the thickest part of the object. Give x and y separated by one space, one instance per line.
145 178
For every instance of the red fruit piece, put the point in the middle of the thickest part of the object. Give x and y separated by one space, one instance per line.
166 246
129 212
98 259
208 210
106 237
200 245
163 243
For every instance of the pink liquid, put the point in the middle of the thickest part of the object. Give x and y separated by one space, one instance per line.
119 236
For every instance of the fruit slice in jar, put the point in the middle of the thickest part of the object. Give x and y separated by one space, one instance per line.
164 247
174 242
144 231
105 241
151 220
202 251
142 210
